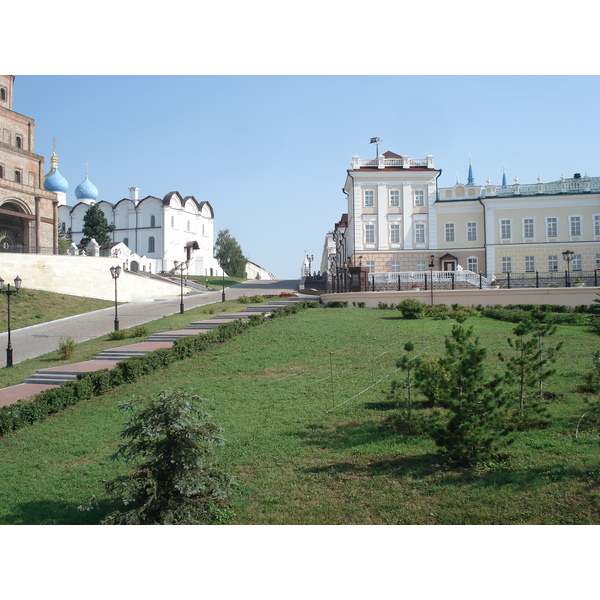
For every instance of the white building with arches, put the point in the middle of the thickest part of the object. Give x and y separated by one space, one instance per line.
159 232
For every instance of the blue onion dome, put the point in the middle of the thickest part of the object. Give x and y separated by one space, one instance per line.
54 181
86 190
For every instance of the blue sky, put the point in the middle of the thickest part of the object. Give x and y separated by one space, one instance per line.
270 153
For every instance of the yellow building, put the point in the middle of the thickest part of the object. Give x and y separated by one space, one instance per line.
399 221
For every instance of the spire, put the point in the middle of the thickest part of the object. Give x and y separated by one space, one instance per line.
470 179
503 175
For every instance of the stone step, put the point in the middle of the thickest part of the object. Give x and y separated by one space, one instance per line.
52 377
117 354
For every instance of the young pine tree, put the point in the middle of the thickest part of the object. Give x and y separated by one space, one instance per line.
175 480
473 425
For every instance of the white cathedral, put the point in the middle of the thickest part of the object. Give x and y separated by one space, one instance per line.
150 234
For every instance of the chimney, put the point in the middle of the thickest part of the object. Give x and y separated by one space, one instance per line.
133 194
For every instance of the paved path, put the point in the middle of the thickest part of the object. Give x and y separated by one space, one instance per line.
37 340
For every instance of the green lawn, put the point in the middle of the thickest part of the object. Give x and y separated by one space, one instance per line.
309 449
30 307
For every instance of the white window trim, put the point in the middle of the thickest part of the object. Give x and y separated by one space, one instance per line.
470 259
446 240
546 223
415 197
510 224
526 261
528 237
504 260
571 234
390 196
415 233
397 225
596 224
365 197
476 231
369 224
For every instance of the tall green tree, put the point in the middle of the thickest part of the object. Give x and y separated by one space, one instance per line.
229 254
176 479
96 226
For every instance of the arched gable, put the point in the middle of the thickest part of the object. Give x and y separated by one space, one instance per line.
206 210
173 200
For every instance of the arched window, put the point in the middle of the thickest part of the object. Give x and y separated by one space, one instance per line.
152 221
19 141
188 225
172 221
2 93
150 244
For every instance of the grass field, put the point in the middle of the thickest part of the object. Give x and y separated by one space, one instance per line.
31 307
309 448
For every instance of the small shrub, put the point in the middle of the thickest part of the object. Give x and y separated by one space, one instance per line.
382 306
140 331
258 299
243 300
120 334
410 308
339 304
362 304
66 348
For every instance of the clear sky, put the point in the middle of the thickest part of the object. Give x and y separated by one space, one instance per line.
270 153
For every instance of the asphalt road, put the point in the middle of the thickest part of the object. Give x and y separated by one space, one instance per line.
36 340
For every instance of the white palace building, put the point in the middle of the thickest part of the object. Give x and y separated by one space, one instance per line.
399 221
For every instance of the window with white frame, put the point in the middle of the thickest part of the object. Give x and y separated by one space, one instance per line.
576 264
449 232
553 263
419 197
529 263
394 197
395 233
371 266
419 233
369 233
421 265
506 264
575 226
395 266
528 231
552 227
369 196
505 229
596 224
473 264
472 231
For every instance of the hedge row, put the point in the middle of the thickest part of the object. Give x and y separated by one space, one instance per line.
88 385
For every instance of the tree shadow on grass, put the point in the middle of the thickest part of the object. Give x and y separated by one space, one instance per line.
55 512
344 436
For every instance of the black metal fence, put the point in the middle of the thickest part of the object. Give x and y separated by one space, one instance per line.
17 249
423 281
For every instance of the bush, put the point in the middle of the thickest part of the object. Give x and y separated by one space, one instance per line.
66 348
258 299
410 308
140 331
337 304
120 334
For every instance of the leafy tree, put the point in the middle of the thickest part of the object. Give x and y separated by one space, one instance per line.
96 226
64 239
472 426
176 479
230 255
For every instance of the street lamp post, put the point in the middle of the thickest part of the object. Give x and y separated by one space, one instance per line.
223 297
180 266
9 293
568 256
115 272
431 265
